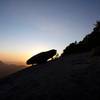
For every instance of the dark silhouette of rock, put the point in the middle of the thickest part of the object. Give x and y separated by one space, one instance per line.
41 57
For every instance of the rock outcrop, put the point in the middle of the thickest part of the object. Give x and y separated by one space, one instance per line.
41 57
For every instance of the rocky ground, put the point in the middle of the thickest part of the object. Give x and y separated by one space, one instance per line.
68 78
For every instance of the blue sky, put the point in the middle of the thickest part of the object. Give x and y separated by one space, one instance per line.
28 27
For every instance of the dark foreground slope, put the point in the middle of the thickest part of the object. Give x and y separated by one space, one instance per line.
68 78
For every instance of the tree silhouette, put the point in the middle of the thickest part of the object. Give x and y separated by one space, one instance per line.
89 42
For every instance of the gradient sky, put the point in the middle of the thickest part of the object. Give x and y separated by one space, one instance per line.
28 27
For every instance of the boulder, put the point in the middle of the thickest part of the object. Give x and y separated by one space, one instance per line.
41 57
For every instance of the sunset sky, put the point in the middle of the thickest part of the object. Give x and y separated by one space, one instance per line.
28 27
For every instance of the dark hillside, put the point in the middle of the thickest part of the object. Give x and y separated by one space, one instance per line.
75 76
88 43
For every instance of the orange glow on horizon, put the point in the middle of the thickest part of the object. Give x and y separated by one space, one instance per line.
20 58
14 58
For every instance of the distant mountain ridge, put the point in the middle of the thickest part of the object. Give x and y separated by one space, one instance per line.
7 69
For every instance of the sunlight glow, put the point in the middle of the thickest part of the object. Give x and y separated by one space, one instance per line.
22 57
28 27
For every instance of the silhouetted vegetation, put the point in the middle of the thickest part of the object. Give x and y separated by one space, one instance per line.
41 57
88 43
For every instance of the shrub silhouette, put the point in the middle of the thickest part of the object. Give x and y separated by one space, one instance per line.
71 48
93 40
41 57
90 41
